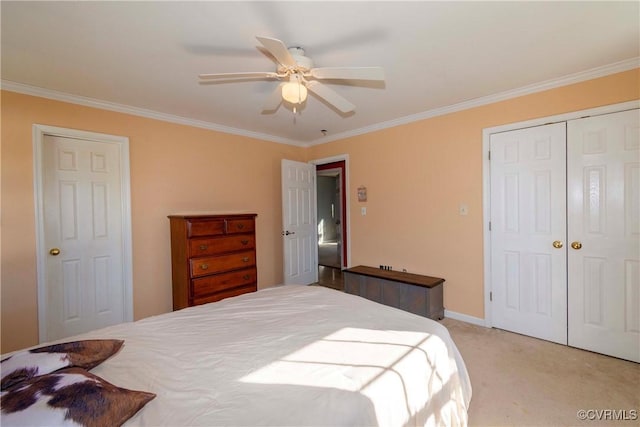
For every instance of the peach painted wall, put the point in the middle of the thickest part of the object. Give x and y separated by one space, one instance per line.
174 168
418 174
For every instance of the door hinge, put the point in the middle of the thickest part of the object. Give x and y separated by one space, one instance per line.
489 155
490 296
489 225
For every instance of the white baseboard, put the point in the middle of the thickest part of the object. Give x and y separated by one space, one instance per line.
465 318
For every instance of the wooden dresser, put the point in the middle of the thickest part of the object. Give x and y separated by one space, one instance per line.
212 257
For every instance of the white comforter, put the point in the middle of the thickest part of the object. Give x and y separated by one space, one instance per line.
290 355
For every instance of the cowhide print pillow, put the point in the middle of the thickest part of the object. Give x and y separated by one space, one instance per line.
44 360
69 397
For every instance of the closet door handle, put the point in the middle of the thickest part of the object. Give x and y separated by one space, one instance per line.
557 244
576 245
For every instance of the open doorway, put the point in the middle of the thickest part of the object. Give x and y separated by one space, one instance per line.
331 203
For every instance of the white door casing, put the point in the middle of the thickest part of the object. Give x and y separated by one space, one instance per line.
299 229
82 209
603 171
338 217
528 211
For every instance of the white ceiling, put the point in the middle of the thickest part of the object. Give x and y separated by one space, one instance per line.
147 55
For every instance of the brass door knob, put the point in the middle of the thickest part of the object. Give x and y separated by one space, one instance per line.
54 251
576 245
557 244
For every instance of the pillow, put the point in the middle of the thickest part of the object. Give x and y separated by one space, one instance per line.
69 397
39 361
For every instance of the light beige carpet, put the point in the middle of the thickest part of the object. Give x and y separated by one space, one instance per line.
523 381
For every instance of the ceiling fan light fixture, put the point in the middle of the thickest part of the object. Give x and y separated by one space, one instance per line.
294 91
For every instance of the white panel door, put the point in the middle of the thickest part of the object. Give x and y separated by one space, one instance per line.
528 230
298 223
83 236
604 227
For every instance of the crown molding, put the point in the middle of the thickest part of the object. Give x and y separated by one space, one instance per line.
126 109
594 73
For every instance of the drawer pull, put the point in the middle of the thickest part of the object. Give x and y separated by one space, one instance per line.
203 247
240 226
204 266
246 277
245 259
244 242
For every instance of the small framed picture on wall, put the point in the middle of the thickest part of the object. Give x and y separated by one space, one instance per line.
362 193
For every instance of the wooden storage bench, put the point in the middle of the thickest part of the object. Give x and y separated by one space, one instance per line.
415 293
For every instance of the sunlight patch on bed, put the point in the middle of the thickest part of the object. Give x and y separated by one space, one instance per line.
399 368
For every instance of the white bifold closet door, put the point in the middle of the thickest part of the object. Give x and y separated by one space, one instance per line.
564 254
603 171
528 214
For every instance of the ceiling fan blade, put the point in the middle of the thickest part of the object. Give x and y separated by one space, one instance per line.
348 73
274 100
278 50
330 96
248 75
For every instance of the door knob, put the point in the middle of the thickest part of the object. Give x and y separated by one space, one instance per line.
54 251
286 233
576 245
557 244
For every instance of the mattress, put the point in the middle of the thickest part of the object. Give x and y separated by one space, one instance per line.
290 355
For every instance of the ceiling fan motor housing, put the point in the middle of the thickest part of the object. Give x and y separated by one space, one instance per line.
304 63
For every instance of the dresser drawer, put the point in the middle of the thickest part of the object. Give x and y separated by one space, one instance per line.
205 227
219 245
219 282
240 226
225 294
212 265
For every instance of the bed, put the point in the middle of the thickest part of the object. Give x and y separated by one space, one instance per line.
289 355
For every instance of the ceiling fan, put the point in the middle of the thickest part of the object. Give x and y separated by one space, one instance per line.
298 76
